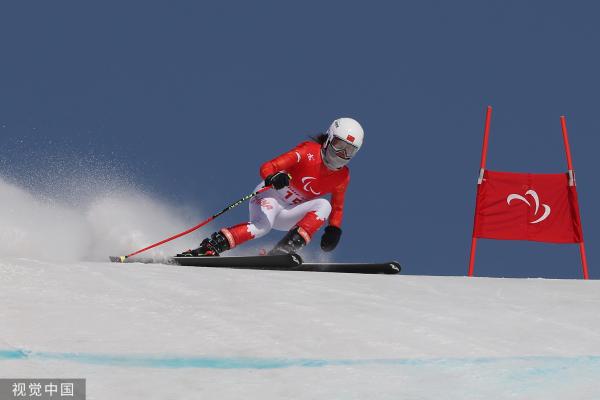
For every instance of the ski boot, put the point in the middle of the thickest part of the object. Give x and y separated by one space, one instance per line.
212 246
291 243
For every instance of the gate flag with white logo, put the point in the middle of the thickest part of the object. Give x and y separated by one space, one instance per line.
539 207
523 206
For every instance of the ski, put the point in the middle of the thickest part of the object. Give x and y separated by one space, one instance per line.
281 262
286 262
390 268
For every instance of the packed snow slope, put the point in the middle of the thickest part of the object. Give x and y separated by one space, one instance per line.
140 331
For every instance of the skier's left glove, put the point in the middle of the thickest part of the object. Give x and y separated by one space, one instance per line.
278 180
330 238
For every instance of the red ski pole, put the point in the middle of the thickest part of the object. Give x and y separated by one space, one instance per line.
192 229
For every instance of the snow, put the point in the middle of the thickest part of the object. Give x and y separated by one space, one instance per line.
70 227
141 331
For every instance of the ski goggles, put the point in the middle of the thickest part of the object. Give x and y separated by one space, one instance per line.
343 149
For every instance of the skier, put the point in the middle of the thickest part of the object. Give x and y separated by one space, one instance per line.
298 180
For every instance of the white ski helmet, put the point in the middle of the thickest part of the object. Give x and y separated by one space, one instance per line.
344 139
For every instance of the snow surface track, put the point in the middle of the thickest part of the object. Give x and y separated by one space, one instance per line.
154 332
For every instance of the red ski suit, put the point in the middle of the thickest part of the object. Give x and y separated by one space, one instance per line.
300 204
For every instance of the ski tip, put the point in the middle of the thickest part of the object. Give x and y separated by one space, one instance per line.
119 259
395 267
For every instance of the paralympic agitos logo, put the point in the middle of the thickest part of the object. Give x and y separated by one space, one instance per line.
307 181
536 199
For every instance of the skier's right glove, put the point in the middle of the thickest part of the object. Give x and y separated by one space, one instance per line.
330 238
278 180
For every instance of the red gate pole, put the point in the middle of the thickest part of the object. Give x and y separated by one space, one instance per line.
563 123
486 135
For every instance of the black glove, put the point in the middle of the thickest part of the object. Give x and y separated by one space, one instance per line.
278 180
330 238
